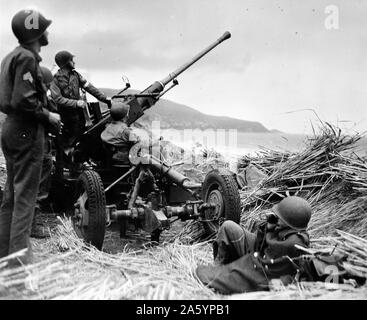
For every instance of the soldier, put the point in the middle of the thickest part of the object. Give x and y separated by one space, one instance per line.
246 261
37 230
22 98
65 90
118 134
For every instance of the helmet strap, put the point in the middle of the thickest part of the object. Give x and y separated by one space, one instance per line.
68 65
43 40
34 46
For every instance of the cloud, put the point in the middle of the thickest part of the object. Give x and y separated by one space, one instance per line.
280 55
111 49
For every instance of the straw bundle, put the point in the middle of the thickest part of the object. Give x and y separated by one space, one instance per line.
355 248
327 173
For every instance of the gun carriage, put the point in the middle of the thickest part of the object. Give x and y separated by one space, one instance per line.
146 193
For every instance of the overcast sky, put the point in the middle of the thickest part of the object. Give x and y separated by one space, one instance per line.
284 56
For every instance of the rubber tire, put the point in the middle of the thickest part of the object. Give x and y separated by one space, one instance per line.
92 184
224 181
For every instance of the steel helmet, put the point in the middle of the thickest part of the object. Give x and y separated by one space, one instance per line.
47 75
119 110
294 211
62 58
29 25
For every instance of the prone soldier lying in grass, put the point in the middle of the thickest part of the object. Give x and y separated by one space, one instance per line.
245 261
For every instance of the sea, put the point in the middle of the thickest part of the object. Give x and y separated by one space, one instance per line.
251 143
247 143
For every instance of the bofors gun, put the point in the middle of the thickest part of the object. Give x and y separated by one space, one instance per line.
139 103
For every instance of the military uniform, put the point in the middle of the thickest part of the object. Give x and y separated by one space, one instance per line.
247 261
119 135
38 230
22 98
65 91
47 161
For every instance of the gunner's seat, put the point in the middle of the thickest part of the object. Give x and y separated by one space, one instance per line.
116 157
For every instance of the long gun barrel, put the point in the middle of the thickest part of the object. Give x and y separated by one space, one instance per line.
143 103
181 69
148 97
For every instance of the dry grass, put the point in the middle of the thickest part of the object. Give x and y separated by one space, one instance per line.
69 269
74 270
326 172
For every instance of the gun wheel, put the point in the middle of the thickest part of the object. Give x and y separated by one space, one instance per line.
89 218
221 189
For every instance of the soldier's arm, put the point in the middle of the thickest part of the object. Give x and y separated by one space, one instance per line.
87 86
299 239
130 136
26 96
58 97
51 105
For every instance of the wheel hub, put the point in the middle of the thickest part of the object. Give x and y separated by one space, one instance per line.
215 197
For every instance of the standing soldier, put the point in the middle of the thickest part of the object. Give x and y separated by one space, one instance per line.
37 230
65 90
22 98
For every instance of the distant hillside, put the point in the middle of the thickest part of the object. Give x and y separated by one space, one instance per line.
179 116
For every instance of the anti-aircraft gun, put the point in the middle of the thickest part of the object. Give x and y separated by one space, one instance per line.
148 97
145 193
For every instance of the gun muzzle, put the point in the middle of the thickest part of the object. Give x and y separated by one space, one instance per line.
173 75
226 35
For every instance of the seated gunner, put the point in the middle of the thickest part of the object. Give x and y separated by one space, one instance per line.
118 134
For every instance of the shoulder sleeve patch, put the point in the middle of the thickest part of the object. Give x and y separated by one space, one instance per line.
28 77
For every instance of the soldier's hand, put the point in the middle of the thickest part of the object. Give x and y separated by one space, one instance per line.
271 220
55 116
55 122
109 102
81 103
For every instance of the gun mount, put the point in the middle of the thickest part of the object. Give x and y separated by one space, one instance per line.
97 191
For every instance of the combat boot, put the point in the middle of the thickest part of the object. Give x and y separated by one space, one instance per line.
38 230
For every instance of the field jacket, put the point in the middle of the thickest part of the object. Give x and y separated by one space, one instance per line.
65 89
253 271
22 91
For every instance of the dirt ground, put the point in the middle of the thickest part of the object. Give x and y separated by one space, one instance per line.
135 239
